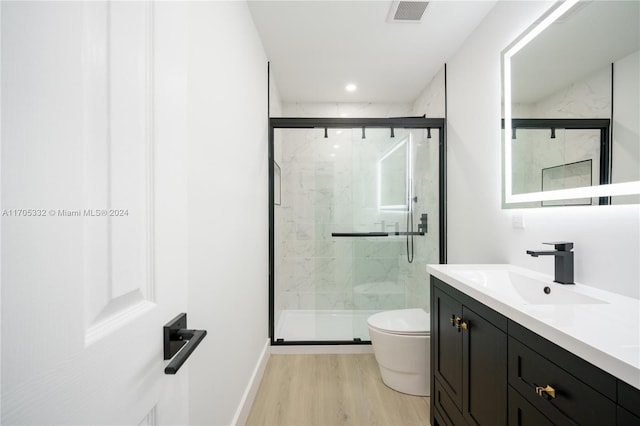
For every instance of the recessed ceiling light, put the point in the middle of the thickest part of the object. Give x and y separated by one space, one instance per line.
351 87
338 132
336 146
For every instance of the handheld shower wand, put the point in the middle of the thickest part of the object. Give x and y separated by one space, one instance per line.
410 202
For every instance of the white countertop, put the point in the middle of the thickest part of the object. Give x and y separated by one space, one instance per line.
605 334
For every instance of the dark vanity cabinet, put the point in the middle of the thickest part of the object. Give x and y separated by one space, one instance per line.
489 370
469 354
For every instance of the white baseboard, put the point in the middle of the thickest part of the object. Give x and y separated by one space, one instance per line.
242 414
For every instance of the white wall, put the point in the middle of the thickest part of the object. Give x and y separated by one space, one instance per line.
228 199
344 109
607 238
626 126
431 100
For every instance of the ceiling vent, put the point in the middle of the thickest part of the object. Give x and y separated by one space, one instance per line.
407 11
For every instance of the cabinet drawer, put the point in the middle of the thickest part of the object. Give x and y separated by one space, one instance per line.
629 398
522 413
446 407
573 399
625 418
588 373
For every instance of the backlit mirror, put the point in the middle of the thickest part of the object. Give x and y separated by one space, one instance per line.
393 177
571 104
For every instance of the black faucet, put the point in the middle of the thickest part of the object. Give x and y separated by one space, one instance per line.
564 260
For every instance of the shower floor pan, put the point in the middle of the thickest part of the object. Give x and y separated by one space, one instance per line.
323 325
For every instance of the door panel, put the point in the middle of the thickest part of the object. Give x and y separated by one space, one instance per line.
94 125
448 346
485 371
118 166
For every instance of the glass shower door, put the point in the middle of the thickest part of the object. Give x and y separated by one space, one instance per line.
356 225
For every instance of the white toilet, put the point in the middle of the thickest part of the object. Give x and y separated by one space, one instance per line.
401 342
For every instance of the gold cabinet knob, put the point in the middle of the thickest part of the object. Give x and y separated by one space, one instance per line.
453 320
458 323
548 390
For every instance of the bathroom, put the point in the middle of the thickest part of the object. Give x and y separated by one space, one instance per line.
223 197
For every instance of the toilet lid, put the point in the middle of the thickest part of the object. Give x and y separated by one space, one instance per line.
403 321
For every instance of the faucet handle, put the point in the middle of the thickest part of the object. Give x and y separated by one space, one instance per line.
561 245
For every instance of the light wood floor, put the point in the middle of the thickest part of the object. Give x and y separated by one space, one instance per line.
331 390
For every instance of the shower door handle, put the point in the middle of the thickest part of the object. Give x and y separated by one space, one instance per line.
359 234
181 341
373 234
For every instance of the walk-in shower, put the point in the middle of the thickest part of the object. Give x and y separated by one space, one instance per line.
356 212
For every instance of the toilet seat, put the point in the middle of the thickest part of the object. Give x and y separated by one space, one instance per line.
406 322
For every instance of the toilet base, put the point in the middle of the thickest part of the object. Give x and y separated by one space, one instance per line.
412 384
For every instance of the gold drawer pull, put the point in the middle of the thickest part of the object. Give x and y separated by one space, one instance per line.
551 392
463 325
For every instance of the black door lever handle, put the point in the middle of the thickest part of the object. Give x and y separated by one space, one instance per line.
181 341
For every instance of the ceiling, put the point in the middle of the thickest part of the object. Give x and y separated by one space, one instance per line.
316 48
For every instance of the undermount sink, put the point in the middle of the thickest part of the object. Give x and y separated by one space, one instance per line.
518 288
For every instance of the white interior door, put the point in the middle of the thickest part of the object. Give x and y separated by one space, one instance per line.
94 258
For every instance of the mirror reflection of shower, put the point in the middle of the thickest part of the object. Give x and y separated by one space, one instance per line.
394 176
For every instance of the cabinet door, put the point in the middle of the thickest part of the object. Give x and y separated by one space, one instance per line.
445 412
485 371
447 341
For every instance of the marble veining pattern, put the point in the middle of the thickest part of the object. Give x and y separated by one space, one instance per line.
330 185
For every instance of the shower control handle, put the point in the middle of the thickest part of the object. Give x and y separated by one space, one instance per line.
422 226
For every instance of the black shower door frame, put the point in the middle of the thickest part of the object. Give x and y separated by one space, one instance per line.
350 123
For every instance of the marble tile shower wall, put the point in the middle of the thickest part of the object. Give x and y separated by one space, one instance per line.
330 185
284 279
426 188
